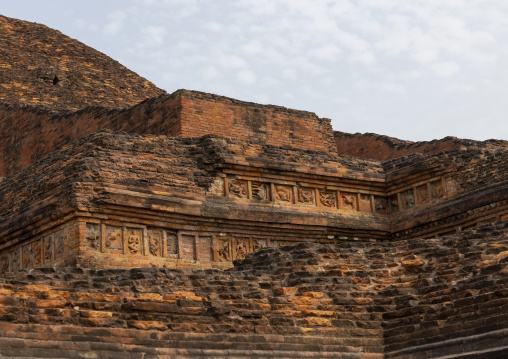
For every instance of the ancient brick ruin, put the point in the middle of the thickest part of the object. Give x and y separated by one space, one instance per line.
191 225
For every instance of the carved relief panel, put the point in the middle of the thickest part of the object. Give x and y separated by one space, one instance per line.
27 256
15 260
283 193
93 236
260 191
114 238
223 249
436 190
381 205
49 249
452 186
155 242
348 201
241 248
327 198
257 244
59 238
133 241
37 253
393 201
306 195
422 193
408 199
238 188
217 187
4 264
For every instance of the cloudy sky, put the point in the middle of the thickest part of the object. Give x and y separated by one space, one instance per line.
416 70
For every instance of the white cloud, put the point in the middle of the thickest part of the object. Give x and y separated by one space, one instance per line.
460 88
446 68
231 61
329 52
246 77
154 35
116 22
213 26
210 72
289 74
253 47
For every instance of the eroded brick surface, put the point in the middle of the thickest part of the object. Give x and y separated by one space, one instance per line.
41 66
413 298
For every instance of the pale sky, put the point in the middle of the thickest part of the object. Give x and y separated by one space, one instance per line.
416 70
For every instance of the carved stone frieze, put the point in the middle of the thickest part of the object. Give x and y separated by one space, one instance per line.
27 256
422 193
348 201
381 205
238 189
15 259
49 249
59 243
134 241
4 264
37 252
393 201
327 198
283 193
260 191
93 235
306 195
155 242
114 237
452 187
223 249
436 190
408 199
241 248
257 244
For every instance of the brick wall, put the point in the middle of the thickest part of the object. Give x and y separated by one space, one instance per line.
451 298
205 113
417 299
373 146
29 133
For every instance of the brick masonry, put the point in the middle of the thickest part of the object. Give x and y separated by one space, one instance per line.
194 225
410 299
374 146
141 201
183 113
